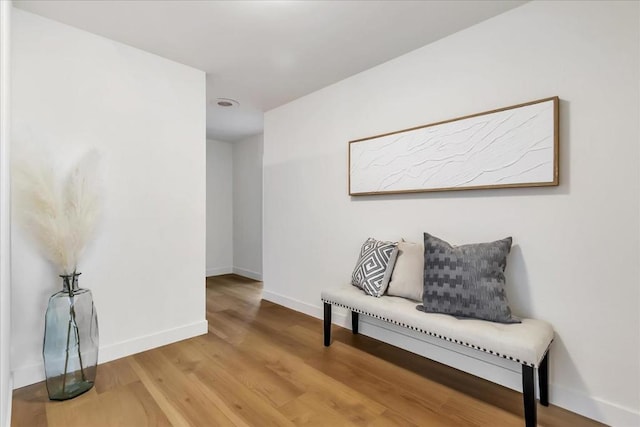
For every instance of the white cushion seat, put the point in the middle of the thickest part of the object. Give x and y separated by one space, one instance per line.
526 342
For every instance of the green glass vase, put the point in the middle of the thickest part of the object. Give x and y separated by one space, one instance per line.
70 348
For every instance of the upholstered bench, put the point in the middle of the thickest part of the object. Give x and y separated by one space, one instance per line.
526 343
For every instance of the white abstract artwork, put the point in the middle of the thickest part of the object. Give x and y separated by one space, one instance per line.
511 147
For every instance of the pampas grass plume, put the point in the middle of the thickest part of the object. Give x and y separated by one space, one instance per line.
61 216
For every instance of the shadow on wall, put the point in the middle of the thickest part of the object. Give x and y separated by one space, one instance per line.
517 284
560 356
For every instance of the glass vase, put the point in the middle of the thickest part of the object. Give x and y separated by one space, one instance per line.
70 346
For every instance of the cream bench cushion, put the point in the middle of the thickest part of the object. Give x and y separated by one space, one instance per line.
526 342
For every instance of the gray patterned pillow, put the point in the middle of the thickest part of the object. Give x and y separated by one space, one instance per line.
466 281
374 267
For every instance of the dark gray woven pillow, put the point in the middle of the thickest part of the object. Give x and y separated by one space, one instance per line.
467 280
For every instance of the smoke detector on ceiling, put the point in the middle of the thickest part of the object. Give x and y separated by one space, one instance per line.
226 102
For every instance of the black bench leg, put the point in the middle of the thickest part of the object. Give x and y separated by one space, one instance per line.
327 324
354 322
529 395
543 380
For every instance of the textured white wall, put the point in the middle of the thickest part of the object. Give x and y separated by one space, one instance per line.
575 260
247 207
5 225
219 207
72 90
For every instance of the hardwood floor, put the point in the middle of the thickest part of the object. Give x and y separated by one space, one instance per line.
262 364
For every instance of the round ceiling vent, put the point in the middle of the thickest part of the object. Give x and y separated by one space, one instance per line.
226 102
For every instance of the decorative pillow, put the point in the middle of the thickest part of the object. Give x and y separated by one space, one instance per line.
466 280
407 279
373 270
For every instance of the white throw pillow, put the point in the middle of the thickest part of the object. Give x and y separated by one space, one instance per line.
407 279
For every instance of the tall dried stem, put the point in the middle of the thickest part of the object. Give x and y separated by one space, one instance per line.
60 215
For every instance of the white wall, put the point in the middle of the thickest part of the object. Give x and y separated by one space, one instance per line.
219 208
247 207
5 225
72 90
575 260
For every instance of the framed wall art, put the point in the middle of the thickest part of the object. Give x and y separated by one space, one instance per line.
515 146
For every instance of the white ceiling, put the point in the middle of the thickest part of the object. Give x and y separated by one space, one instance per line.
267 53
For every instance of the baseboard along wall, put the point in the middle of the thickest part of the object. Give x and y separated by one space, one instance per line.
218 271
234 270
32 374
247 273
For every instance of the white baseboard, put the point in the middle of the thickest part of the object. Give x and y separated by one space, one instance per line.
499 371
247 273
218 271
296 305
140 344
592 407
27 375
31 374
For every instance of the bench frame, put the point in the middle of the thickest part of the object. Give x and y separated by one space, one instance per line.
528 372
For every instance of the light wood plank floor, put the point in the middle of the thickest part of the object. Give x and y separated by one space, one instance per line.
262 364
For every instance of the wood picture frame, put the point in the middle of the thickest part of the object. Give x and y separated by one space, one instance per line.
516 146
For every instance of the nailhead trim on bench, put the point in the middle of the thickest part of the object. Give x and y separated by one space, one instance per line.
432 333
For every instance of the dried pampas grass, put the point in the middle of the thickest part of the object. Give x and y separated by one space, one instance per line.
61 215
